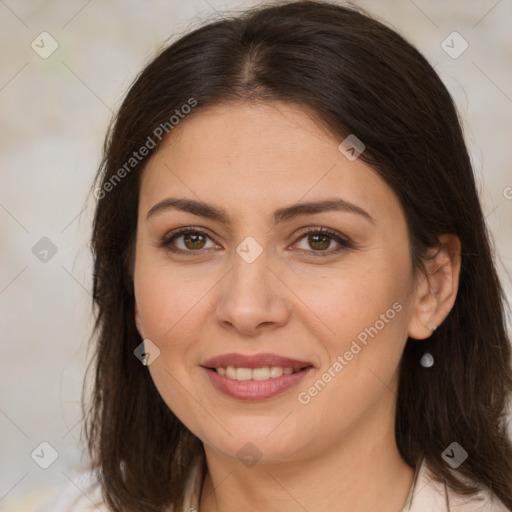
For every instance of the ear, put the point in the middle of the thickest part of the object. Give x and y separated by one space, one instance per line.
138 321
435 293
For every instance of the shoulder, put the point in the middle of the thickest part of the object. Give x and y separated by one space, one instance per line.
436 497
82 493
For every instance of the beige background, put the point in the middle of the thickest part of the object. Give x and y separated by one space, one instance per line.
54 113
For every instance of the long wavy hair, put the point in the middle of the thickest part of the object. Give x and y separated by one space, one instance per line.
357 76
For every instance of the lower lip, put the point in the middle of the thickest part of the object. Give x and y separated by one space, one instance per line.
255 389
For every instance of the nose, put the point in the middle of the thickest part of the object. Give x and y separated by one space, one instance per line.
253 298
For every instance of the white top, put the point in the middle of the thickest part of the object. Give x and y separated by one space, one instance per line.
425 495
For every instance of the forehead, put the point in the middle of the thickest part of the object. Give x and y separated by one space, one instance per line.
259 156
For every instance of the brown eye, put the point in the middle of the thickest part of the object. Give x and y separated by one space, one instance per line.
320 240
186 240
193 241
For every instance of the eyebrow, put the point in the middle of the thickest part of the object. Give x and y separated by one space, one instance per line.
209 211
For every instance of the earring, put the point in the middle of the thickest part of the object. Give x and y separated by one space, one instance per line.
427 359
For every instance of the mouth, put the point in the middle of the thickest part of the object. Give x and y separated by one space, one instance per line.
256 377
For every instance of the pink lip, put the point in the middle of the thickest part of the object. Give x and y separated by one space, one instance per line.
255 389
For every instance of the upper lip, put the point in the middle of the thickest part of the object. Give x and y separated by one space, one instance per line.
254 361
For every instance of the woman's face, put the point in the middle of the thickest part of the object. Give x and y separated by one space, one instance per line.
255 287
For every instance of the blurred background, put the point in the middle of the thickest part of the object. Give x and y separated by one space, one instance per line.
65 67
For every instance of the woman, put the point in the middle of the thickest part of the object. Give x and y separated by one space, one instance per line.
297 305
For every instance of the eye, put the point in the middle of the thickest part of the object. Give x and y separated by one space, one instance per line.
321 239
186 240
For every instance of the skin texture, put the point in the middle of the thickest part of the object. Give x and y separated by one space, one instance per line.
338 451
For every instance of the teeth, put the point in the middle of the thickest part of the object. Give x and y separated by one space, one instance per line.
276 371
231 372
243 374
263 373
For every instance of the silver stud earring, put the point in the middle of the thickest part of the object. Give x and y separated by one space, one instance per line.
427 359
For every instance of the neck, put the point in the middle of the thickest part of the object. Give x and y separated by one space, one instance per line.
354 475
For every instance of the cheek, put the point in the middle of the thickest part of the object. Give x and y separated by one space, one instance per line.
167 301
366 310
358 299
169 305
367 313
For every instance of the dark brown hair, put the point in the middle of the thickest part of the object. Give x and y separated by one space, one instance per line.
357 76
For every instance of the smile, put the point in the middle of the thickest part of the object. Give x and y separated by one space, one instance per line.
255 377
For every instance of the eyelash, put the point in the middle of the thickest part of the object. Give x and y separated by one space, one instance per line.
345 243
